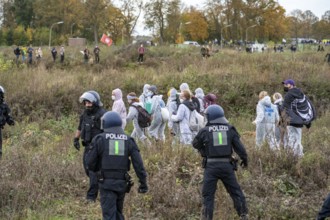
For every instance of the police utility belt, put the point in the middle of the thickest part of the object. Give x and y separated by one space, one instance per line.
218 159
118 175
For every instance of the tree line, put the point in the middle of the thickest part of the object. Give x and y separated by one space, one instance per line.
30 21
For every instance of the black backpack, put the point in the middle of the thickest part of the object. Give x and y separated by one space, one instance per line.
144 118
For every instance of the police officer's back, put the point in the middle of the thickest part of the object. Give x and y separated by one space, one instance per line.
109 156
216 143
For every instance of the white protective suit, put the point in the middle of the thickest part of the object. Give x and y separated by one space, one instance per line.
267 118
144 96
199 93
157 127
182 116
172 107
133 113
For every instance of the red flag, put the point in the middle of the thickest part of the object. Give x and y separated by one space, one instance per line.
106 40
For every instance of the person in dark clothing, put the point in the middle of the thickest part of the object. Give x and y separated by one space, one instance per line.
327 56
54 53
97 54
216 143
110 155
325 210
30 54
17 53
89 127
141 51
86 55
295 123
5 116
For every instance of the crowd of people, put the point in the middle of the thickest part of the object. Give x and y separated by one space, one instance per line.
276 124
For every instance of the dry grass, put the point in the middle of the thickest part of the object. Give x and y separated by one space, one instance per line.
42 175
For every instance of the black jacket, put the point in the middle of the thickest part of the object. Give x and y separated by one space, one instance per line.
5 116
290 96
202 141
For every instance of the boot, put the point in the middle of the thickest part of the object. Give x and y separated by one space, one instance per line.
244 217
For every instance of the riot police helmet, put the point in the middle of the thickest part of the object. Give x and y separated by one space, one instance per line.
2 92
97 96
216 114
110 119
88 96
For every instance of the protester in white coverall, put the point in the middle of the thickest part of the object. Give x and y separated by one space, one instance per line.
143 97
172 106
199 93
133 113
119 106
182 116
267 118
157 127
184 86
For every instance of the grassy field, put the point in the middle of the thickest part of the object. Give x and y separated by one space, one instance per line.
42 175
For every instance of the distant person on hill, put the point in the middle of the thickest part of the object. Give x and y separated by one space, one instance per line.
320 48
54 53
86 55
30 54
141 52
266 120
23 52
97 54
39 54
203 52
325 210
327 56
89 126
62 51
5 117
17 53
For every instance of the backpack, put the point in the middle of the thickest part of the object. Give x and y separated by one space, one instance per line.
144 118
194 121
304 109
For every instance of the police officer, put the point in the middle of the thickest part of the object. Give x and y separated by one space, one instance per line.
325 210
89 127
109 156
5 116
215 143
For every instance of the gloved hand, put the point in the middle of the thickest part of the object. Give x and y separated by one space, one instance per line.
143 188
76 143
244 163
11 122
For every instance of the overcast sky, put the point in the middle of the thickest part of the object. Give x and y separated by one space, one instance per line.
318 7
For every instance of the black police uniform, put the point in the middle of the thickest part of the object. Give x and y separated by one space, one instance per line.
109 157
215 143
325 211
5 117
90 126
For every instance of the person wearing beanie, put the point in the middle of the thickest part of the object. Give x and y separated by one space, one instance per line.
119 106
209 99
